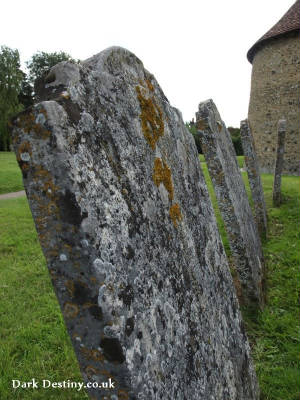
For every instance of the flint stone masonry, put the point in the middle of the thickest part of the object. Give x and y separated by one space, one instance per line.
260 211
279 163
275 93
232 200
127 227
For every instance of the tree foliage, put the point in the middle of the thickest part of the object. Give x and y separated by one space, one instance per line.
11 78
236 140
193 130
41 62
16 87
26 93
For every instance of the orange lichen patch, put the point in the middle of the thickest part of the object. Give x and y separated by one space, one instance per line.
92 354
219 177
151 119
65 95
53 252
175 214
108 374
162 174
110 287
201 124
149 84
90 371
70 310
24 148
93 279
70 287
27 122
123 395
68 247
49 188
88 305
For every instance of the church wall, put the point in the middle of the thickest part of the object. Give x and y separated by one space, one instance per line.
275 94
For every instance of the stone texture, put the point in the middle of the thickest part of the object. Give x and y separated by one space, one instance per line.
232 200
252 167
279 163
275 94
126 225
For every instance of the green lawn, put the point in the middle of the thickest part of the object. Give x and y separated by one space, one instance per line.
34 342
10 174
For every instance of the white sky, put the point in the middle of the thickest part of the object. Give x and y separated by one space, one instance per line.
195 49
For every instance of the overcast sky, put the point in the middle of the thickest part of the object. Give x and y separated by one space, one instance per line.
196 49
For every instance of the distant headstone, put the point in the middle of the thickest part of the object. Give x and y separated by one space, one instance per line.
125 222
232 200
252 167
279 163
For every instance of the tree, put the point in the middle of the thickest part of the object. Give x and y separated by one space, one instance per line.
10 85
26 93
236 140
41 62
193 130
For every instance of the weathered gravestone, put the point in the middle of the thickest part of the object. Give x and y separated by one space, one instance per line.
232 200
129 234
260 211
279 163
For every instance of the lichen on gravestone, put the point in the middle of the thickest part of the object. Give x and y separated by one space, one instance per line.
233 202
281 129
252 167
128 231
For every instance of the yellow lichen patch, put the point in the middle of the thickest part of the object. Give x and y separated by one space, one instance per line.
70 310
151 119
175 214
219 126
162 174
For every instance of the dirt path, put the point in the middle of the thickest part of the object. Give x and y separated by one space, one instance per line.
12 195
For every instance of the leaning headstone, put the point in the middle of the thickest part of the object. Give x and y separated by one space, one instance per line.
252 167
126 225
279 163
232 201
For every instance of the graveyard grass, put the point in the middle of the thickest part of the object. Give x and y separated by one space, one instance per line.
34 342
10 174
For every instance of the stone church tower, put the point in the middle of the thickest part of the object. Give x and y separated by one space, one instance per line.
275 88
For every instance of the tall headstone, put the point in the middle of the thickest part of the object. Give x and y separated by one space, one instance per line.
279 163
233 201
260 211
127 227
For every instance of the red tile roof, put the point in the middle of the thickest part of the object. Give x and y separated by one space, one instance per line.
288 23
